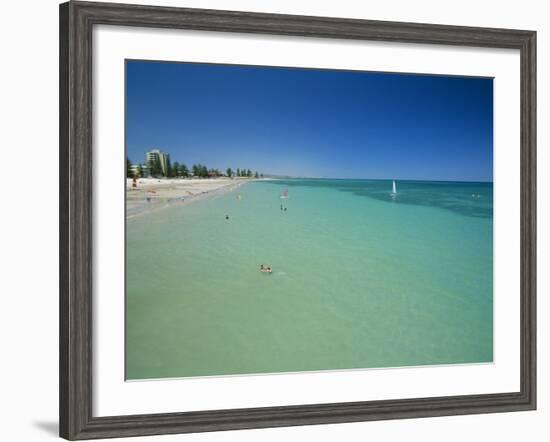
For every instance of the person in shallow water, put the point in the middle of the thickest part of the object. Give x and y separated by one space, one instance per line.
264 269
226 216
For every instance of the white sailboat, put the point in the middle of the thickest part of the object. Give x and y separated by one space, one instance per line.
394 189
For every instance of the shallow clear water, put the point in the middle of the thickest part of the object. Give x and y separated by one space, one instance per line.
360 279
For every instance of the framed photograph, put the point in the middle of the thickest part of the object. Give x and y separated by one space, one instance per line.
272 220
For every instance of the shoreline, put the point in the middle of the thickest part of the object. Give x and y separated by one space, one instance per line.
154 194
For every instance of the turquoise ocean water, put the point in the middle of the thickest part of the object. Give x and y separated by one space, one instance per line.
360 279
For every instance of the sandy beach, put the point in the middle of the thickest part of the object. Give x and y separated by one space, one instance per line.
155 193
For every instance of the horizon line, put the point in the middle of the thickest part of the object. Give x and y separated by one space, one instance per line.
375 179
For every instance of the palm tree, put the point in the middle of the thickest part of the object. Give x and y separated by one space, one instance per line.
169 171
184 170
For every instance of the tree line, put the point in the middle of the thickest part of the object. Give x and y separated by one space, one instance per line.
180 170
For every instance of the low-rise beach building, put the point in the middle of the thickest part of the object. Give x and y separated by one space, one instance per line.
135 168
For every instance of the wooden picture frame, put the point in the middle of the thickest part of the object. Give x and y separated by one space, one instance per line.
76 243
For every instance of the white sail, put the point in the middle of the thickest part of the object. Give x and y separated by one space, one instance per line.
394 189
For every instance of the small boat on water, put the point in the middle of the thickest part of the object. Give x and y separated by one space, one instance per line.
394 190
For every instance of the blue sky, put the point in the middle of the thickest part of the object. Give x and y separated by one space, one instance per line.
314 123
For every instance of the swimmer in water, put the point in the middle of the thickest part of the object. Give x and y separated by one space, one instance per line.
226 216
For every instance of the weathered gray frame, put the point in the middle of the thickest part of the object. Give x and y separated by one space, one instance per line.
76 22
